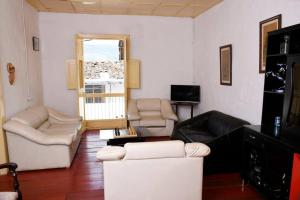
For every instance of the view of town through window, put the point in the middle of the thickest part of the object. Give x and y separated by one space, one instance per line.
103 79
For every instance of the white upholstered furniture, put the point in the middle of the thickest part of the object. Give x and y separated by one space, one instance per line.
156 115
153 170
40 138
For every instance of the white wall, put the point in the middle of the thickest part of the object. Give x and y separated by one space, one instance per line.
13 49
163 44
236 22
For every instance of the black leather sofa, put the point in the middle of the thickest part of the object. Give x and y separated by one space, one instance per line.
221 132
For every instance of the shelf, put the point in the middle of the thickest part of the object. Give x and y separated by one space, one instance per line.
283 55
274 92
277 55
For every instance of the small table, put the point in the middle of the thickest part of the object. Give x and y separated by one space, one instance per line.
184 103
119 137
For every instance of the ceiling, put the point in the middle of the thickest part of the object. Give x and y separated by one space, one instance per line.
172 8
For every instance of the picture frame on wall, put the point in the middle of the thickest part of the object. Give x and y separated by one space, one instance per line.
266 26
226 65
36 43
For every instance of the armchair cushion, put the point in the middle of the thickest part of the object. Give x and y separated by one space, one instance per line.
152 121
151 150
148 104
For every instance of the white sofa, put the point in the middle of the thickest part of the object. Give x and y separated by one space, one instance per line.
154 115
40 138
153 170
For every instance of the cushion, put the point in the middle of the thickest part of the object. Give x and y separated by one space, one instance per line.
62 129
152 121
151 150
191 131
196 149
206 139
148 104
220 123
8 195
111 153
44 126
32 116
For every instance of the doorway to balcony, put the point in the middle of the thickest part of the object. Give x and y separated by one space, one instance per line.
102 80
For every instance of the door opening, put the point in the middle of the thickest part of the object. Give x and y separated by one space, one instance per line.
102 91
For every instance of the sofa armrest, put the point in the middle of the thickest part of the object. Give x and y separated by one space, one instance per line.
36 135
196 149
110 153
58 117
132 112
166 110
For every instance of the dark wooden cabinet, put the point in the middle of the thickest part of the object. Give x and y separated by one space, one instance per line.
268 160
282 78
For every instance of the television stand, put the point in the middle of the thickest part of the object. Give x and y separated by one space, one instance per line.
191 104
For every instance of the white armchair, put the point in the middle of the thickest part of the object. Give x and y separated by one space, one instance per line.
156 115
153 170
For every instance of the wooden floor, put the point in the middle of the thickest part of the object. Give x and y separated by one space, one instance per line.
84 180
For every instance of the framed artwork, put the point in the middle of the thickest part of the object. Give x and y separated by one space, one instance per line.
266 26
226 65
36 43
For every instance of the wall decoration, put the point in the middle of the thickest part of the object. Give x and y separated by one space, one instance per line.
11 73
36 43
268 25
226 65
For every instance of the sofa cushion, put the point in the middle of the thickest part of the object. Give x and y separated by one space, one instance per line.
152 121
190 131
148 104
62 129
220 123
151 150
203 138
32 116
199 124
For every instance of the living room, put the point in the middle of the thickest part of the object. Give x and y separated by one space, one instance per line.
172 50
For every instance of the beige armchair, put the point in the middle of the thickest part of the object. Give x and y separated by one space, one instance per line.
153 170
156 115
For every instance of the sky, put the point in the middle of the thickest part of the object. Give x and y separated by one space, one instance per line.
94 50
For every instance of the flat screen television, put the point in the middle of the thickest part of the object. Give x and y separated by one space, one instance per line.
185 93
